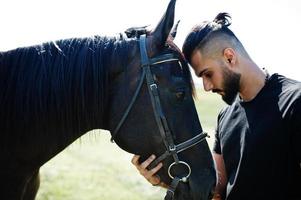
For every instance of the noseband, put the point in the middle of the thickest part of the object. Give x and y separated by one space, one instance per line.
171 148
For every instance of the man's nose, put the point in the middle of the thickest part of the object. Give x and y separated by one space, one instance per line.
207 85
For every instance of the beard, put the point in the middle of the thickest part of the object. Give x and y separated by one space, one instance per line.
230 86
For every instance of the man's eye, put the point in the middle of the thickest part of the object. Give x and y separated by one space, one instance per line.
208 75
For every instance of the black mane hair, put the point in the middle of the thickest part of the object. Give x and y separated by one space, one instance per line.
56 87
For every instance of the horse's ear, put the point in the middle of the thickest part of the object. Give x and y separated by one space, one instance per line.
162 30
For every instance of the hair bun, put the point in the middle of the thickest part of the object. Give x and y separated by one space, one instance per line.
223 19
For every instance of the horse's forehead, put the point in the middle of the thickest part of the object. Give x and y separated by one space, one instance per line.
174 47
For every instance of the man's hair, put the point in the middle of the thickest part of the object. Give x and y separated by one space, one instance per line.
210 37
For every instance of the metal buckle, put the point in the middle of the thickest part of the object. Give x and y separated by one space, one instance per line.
153 86
172 148
154 89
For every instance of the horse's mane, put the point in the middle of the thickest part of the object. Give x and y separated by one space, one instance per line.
57 86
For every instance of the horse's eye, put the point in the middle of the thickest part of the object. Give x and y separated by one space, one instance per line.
180 95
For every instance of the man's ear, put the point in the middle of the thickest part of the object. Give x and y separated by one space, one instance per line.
230 56
160 34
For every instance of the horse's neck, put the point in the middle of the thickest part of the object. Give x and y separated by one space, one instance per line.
74 94
88 93
52 94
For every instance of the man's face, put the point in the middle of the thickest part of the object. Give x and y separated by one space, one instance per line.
230 85
217 76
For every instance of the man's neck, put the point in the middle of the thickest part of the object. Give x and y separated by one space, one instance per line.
252 82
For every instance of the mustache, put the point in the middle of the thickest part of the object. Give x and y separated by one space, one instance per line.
216 90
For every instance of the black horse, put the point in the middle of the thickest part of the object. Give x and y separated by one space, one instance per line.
53 93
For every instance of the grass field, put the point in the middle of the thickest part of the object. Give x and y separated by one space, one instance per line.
93 168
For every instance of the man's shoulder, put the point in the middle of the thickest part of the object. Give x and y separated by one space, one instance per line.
291 86
287 83
289 95
228 109
285 86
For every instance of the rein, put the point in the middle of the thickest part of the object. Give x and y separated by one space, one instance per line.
171 148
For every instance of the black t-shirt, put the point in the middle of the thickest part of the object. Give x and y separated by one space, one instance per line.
260 142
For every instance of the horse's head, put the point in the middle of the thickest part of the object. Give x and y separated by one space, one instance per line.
152 111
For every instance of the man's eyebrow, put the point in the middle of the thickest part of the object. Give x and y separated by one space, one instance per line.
202 72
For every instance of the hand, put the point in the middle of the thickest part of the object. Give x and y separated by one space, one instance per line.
149 175
216 197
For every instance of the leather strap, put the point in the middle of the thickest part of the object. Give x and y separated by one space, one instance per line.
126 113
144 62
154 95
172 188
179 148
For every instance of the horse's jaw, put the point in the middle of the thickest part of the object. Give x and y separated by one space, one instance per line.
199 187
202 186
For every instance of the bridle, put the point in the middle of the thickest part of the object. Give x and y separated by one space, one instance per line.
171 148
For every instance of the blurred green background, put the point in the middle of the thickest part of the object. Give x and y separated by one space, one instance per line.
93 168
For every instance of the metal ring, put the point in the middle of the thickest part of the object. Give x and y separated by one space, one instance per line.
183 179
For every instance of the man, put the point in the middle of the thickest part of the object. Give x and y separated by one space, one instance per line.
257 147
